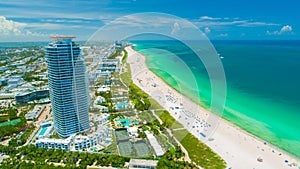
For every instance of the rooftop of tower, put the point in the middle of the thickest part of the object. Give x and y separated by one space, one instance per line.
62 37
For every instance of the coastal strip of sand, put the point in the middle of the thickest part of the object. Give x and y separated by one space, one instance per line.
238 148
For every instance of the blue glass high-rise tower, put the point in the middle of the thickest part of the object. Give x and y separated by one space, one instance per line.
68 86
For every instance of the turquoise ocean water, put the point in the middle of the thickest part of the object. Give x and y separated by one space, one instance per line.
263 84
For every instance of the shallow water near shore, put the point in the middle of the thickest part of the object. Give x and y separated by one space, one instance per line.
262 84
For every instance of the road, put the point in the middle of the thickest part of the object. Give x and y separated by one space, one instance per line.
37 124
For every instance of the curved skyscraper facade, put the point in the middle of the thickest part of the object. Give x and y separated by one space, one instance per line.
68 88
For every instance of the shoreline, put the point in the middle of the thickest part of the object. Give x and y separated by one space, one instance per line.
232 124
232 143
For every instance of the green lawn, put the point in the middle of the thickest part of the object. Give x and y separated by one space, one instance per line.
180 134
168 120
12 122
146 116
163 140
125 56
176 125
4 118
154 104
126 76
199 153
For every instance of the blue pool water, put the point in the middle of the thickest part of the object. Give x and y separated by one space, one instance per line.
125 123
121 105
44 129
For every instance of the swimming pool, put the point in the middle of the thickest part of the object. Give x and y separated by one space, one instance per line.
121 105
125 123
42 132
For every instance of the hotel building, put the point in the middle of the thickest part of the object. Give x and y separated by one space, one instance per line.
68 86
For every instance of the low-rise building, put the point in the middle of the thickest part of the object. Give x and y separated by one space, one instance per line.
111 65
155 145
141 163
3 69
103 89
10 87
51 143
83 142
99 100
3 81
100 73
133 131
15 80
103 118
7 95
74 142
27 97
35 113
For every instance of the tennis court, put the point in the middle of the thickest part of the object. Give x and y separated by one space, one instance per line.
125 148
141 148
122 134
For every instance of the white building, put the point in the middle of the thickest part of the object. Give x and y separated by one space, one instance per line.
100 73
103 89
133 131
15 80
50 143
7 95
35 113
82 142
99 100
102 118
141 163
155 145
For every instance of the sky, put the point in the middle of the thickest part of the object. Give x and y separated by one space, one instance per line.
36 20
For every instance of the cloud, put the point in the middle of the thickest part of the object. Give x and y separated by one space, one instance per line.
58 26
255 24
149 23
284 30
155 20
207 21
207 30
209 18
10 29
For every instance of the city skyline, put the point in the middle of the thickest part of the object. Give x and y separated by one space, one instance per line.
25 21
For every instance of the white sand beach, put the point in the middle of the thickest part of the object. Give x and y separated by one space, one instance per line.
238 148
